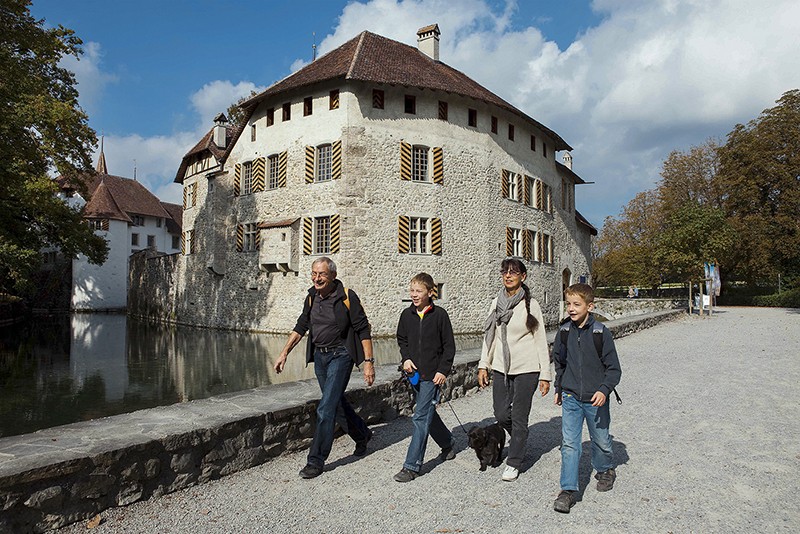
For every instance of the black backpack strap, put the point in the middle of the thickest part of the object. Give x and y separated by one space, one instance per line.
597 332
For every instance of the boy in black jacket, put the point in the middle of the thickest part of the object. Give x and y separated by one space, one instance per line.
584 380
427 346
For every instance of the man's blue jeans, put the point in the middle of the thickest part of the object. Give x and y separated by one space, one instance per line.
598 421
426 421
333 371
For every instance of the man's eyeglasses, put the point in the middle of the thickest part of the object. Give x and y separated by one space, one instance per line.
512 272
319 275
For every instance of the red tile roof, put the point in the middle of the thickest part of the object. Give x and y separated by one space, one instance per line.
103 206
129 195
376 59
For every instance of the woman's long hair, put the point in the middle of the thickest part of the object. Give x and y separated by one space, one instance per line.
514 263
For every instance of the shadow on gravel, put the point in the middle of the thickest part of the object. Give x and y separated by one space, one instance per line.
543 437
585 470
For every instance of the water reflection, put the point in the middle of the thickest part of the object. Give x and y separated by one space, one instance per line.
84 366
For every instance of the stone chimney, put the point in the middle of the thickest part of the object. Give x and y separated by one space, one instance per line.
220 130
567 160
428 41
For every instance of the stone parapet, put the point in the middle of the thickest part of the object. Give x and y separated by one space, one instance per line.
61 475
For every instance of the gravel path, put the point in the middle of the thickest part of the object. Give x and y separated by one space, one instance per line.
708 440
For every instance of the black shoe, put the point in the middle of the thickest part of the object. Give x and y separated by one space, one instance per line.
310 471
447 454
564 501
605 480
405 475
361 446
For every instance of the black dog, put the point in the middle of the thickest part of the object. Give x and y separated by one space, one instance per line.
488 442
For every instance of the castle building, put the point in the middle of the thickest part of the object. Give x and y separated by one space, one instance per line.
391 162
131 219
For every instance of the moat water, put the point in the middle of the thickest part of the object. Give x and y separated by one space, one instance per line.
55 371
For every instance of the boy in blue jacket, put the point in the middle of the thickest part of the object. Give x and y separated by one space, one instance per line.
585 377
427 346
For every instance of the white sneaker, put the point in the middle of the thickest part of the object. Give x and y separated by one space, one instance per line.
510 474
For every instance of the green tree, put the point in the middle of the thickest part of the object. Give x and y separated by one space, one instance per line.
42 128
760 177
237 115
626 245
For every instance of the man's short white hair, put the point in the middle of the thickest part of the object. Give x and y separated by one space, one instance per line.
328 262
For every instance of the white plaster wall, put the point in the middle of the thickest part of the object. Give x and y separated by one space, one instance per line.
103 287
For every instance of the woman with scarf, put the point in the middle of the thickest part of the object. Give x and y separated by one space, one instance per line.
515 349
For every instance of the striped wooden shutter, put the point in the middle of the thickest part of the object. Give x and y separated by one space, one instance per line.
504 178
239 237
183 243
526 244
282 159
336 160
509 243
334 99
194 194
539 195
309 164
258 175
184 197
104 224
436 236
237 175
308 234
405 160
438 165
257 240
526 190
335 233
403 234
436 291
542 238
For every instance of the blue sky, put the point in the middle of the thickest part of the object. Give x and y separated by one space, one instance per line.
623 82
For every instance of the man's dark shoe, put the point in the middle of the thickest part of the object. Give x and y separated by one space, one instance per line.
310 471
361 446
447 454
564 501
605 480
405 475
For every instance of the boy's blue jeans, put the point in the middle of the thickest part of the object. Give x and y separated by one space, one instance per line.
598 421
426 421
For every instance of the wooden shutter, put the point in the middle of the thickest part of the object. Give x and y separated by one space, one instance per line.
335 233
237 175
282 158
403 234
540 244
334 99
308 234
258 175
183 243
239 237
405 161
526 190
104 224
184 196
310 150
436 236
504 178
526 244
336 160
539 195
509 242
438 165
257 238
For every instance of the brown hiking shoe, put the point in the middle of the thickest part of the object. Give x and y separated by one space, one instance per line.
564 501
605 480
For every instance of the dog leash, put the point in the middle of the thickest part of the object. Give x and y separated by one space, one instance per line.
457 419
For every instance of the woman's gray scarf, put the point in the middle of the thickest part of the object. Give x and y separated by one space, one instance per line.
500 316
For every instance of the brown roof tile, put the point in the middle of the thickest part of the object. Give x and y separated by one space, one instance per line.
175 221
130 196
376 59
207 143
103 206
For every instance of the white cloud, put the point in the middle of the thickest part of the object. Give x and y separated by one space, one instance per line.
651 77
215 97
91 80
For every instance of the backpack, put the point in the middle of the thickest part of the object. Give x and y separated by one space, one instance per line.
597 335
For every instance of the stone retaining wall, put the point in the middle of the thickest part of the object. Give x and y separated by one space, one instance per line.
70 473
614 309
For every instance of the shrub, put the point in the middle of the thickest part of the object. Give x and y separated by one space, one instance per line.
784 299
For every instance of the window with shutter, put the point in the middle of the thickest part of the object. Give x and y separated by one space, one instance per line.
505 178
258 175
282 159
405 160
438 165
333 99
403 225
273 181
237 179
377 99
436 236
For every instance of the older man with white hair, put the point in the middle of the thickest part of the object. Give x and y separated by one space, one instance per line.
339 337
